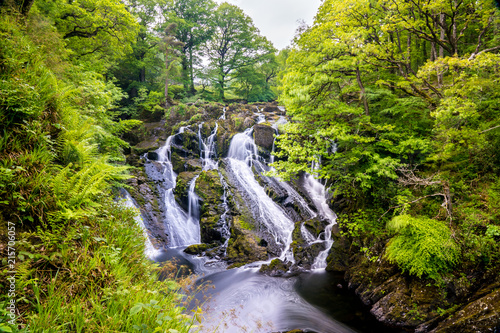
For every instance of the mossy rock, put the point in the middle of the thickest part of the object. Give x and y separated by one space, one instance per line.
145 146
244 246
181 190
188 140
338 258
275 268
197 248
177 162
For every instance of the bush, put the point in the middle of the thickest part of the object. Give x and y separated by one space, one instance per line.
422 246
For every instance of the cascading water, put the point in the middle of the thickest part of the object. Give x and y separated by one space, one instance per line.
318 195
242 155
223 117
194 212
207 148
181 230
149 250
249 300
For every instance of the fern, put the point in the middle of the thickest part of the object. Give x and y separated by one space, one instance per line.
77 191
421 246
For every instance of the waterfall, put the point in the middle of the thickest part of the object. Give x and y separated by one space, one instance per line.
318 195
242 155
225 231
207 148
260 116
149 250
223 117
182 232
193 222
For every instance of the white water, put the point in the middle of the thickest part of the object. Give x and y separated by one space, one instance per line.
223 117
318 195
181 229
207 148
193 221
260 117
242 154
245 301
149 250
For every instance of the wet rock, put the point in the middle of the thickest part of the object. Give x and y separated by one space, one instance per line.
153 156
196 248
275 268
304 253
188 141
243 246
146 146
181 190
338 258
178 162
264 136
193 165
271 108
210 190
146 195
481 315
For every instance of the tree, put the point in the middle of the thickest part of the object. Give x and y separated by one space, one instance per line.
380 91
142 68
95 30
194 28
236 44
170 43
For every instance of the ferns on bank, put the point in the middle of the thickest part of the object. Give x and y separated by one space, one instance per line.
422 246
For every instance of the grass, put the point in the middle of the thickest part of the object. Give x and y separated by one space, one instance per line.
92 276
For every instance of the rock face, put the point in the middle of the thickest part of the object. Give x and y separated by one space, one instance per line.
244 246
146 196
210 190
264 136
481 315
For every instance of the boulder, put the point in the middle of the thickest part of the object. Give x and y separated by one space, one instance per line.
182 188
275 268
264 136
210 190
146 146
244 246
153 156
196 248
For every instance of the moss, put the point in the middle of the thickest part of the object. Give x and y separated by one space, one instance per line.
196 248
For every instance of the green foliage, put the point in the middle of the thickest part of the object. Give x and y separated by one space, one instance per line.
235 45
80 263
422 246
93 29
402 118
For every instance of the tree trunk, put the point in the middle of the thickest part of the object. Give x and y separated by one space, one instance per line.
362 93
192 91
142 74
442 21
185 72
166 78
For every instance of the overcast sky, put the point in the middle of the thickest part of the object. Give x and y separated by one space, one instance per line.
277 19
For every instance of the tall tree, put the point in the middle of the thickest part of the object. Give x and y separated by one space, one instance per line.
194 28
142 68
170 44
236 43
95 30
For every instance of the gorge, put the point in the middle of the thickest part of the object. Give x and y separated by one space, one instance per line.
260 241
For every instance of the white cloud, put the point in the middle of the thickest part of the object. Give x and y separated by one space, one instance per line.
277 19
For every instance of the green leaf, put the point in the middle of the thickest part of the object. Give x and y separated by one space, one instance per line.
136 308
